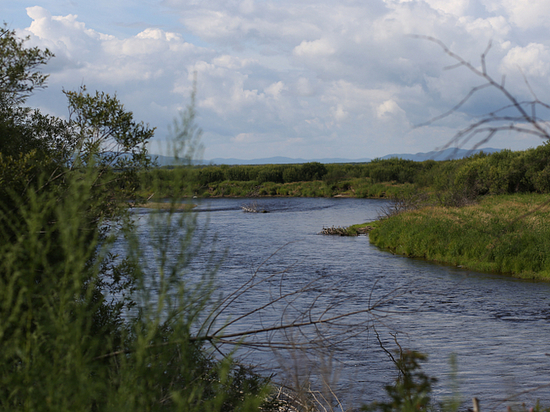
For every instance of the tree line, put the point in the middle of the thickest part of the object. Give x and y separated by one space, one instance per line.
503 172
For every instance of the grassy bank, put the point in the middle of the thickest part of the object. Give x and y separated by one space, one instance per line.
506 234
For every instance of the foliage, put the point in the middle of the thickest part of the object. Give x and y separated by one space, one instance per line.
399 170
412 389
104 133
452 182
29 140
102 128
66 341
19 74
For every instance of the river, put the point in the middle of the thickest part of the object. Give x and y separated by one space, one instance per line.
498 327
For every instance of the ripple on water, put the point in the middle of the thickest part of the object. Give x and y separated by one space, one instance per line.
497 326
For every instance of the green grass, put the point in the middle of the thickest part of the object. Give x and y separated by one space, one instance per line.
361 228
496 235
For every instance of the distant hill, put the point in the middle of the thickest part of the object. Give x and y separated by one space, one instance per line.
419 157
165 160
283 160
447 154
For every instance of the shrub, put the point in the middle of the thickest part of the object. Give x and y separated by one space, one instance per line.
412 389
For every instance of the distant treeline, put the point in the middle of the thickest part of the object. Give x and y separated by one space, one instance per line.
497 173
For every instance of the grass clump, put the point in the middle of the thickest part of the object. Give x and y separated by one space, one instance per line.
496 235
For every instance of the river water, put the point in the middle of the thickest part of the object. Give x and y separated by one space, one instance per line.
498 327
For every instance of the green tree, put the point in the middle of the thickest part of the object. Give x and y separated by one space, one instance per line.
19 68
313 171
28 139
411 391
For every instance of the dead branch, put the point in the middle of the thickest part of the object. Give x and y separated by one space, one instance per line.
523 120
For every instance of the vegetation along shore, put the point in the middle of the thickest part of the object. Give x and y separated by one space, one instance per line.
505 234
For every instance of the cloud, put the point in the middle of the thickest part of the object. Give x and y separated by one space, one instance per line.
321 77
525 14
454 7
245 138
275 89
304 87
313 49
533 60
388 109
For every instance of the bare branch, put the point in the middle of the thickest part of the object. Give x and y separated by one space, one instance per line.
524 121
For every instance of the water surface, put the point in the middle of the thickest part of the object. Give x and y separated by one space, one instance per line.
497 326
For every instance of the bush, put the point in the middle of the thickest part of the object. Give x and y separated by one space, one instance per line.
412 389
210 174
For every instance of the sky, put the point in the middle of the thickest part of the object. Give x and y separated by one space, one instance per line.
297 78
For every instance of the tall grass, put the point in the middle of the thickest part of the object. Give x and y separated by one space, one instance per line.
496 235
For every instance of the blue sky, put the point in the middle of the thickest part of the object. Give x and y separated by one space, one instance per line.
295 78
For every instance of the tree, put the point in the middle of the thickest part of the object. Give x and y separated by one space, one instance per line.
25 135
19 74
103 129
102 132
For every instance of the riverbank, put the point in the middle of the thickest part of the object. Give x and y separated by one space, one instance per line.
507 234
167 206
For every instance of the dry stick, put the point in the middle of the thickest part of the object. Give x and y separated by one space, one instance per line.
225 303
296 294
385 350
521 393
225 338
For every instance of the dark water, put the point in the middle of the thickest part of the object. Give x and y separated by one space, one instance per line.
498 327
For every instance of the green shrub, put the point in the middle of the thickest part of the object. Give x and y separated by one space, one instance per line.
412 389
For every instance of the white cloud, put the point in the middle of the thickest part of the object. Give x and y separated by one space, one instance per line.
455 7
307 76
232 62
533 60
339 113
388 109
486 28
245 138
525 14
304 87
275 89
312 49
